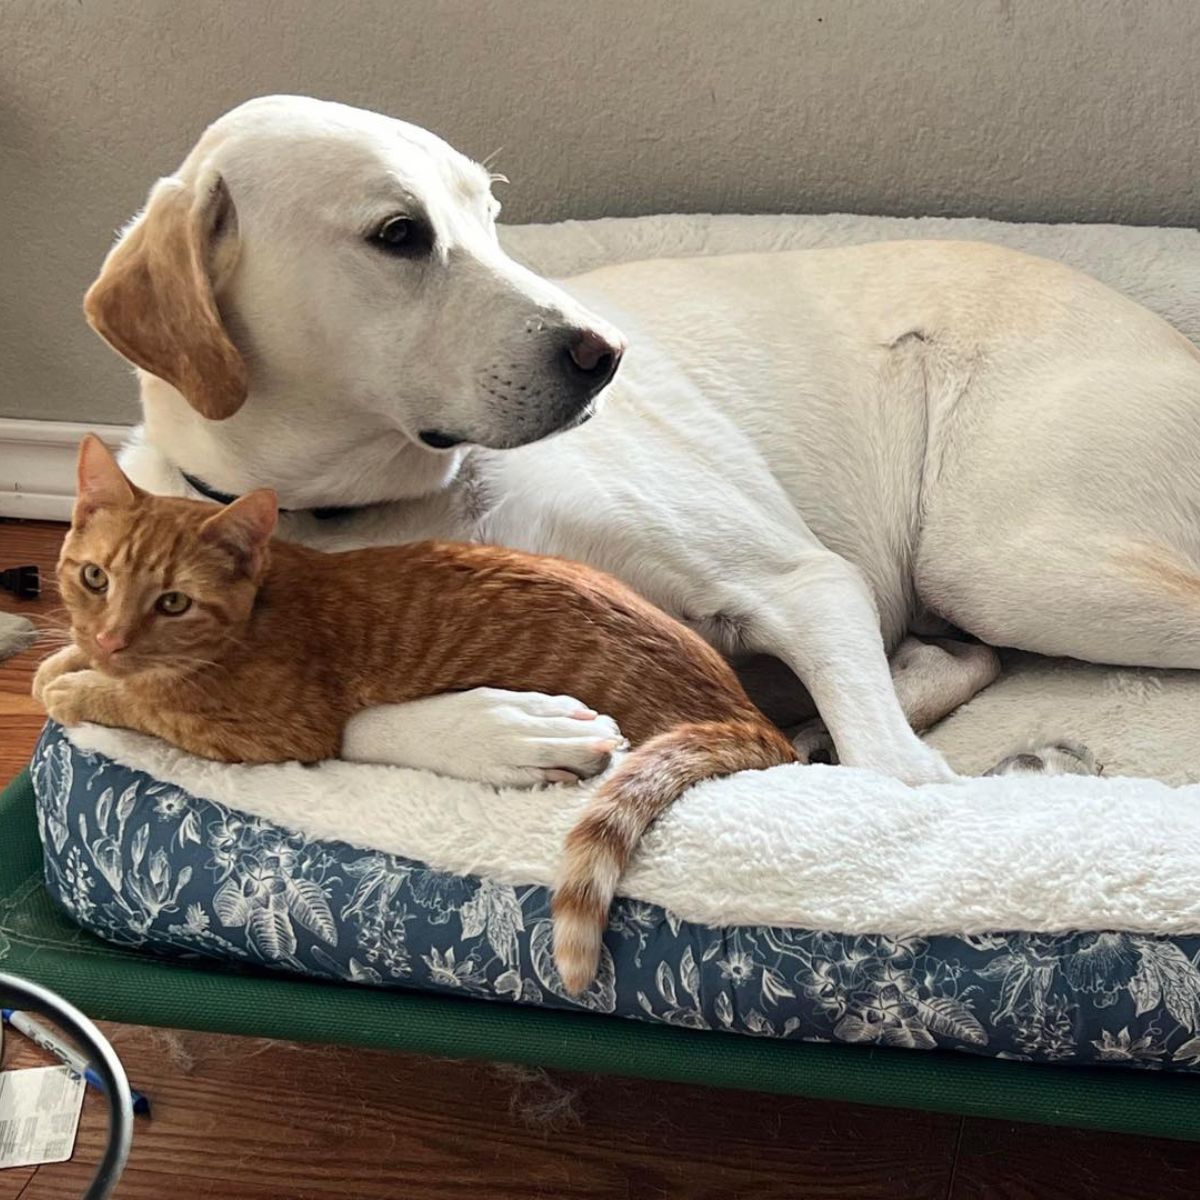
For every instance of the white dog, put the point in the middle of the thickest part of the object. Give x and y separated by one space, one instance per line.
804 455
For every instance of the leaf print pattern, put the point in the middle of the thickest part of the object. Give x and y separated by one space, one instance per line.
141 863
951 1017
1169 977
494 912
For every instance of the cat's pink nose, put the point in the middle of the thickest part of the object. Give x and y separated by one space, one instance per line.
110 642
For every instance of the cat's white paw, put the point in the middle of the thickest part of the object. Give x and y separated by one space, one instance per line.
508 739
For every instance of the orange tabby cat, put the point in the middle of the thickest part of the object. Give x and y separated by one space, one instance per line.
190 623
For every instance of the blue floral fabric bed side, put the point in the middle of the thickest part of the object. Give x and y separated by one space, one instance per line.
136 861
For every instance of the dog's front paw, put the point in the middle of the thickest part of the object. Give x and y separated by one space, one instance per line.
914 763
926 765
937 771
71 698
526 738
508 739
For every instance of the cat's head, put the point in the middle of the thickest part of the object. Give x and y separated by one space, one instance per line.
157 583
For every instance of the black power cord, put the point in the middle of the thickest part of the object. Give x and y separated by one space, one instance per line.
20 993
21 581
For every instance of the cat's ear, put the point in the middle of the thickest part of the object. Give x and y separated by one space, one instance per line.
154 299
245 526
100 482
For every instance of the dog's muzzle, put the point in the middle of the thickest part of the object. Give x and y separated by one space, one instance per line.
585 362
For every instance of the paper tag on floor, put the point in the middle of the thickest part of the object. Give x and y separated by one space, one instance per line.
39 1114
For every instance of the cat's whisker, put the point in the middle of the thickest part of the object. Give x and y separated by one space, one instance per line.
53 630
51 637
193 662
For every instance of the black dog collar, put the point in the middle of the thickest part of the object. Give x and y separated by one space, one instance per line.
327 513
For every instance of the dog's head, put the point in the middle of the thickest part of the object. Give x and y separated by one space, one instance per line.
310 248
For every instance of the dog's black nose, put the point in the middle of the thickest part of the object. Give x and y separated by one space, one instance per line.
592 359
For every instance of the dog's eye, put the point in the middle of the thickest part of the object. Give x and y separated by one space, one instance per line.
94 578
404 236
395 232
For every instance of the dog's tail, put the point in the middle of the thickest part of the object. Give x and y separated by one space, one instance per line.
644 786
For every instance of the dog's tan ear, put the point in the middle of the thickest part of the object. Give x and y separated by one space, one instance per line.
153 301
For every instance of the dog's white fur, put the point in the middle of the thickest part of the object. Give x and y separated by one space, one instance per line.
802 454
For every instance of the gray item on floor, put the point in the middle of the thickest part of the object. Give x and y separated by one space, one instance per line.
16 634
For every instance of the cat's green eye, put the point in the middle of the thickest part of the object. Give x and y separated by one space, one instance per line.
94 578
173 603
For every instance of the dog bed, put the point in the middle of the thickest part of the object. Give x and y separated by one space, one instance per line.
434 884
389 877
116 983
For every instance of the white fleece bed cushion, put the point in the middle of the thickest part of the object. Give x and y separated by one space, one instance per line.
816 847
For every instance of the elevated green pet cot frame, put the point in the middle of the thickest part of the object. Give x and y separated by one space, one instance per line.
108 983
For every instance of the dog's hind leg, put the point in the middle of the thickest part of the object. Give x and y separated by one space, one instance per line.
1126 601
1054 758
935 676
1064 517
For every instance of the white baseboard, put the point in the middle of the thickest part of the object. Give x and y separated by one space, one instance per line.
37 465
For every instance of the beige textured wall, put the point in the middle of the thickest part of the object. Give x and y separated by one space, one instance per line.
1024 109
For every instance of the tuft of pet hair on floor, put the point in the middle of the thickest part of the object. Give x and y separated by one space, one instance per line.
172 1047
538 1100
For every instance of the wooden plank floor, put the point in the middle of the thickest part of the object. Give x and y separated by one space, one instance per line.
23 542
245 1119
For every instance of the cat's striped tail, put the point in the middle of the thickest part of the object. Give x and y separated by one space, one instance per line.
644 786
